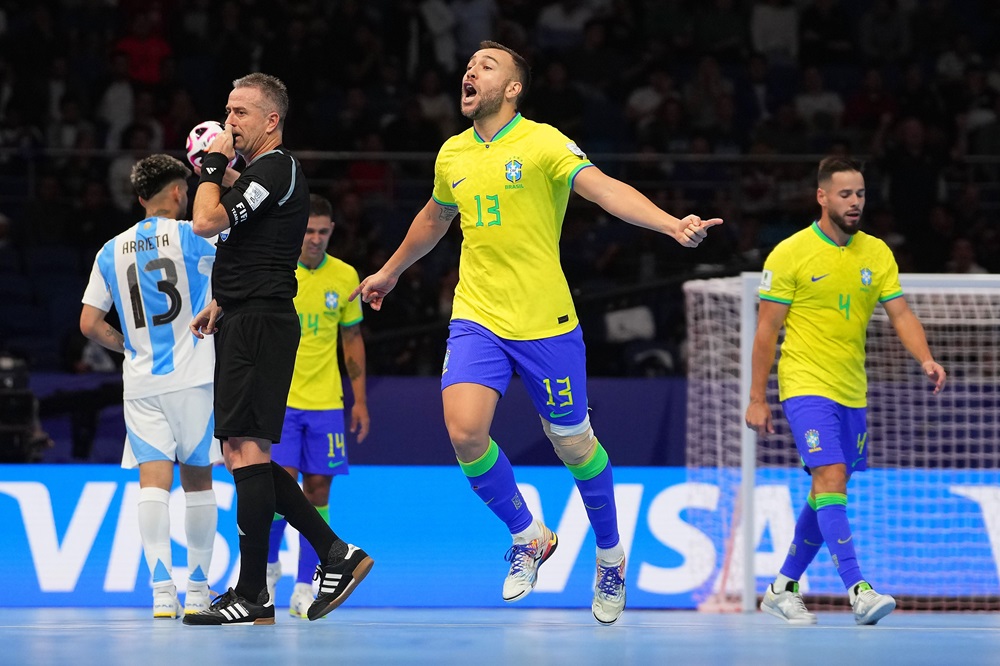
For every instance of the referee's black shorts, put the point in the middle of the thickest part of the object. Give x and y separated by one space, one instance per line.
255 357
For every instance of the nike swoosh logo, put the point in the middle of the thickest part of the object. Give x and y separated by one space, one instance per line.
457 182
553 415
845 540
595 508
335 464
817 279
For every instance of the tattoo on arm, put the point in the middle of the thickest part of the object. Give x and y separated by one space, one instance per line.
114 338
447 213
354 370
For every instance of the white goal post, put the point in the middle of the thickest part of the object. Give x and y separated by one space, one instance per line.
926 509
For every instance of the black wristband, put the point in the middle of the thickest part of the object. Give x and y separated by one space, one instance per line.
213 168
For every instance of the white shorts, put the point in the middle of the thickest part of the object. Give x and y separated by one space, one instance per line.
179 426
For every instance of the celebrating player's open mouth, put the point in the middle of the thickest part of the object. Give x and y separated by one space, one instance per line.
469 94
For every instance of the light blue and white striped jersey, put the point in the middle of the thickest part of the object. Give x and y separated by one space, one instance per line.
158 274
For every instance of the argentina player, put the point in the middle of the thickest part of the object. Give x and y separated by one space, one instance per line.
156 274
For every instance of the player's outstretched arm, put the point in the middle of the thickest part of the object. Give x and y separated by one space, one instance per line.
427 228
92 325
770 318
354 362
627 203
911 334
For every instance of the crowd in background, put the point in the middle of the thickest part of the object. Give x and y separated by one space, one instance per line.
912 85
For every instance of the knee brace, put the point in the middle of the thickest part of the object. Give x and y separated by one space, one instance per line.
573 444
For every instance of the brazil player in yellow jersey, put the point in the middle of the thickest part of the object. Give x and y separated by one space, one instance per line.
312 438
822 284
510 180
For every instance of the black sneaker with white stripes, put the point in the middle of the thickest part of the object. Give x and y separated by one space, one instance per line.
230 608
338 579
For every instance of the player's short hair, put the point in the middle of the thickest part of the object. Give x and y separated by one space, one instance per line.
320 206
835 164
152 174
272 88
520 64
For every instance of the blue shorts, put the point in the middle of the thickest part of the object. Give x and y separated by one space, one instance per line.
828 433
312 441
554 370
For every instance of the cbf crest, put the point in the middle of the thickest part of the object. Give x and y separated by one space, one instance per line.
812 440
513 170
866 277
332 300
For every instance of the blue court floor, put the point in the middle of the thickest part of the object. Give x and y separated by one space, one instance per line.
482 637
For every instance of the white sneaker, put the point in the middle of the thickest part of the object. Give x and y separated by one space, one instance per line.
273 576
302 598
525 558
197 599
609 592
165 602
787 605
870 606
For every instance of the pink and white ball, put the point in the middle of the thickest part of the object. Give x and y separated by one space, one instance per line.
199 138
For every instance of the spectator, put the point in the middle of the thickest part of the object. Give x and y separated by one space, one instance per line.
144 50
819 107
934 27
560 25
913 179
436 105
865 109
643 102
556 101
774 31
963 258
475 21
826 34
720 31
701 93
115 106
595 66
884 33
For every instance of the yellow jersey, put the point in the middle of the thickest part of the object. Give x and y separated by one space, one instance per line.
323 308
511 193
831 292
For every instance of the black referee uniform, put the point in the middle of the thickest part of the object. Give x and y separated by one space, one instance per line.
254 283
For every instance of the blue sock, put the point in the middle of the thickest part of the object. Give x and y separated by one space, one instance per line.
805 544
308 560
597 488
831 514
492 478
274 543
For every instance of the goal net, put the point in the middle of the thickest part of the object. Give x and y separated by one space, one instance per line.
925 515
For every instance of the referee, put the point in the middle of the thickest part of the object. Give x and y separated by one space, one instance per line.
260 217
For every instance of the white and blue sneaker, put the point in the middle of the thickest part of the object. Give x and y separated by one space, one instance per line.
525 559
609 592
302 599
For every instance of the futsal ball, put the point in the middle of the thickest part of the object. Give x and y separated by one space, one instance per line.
200 138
